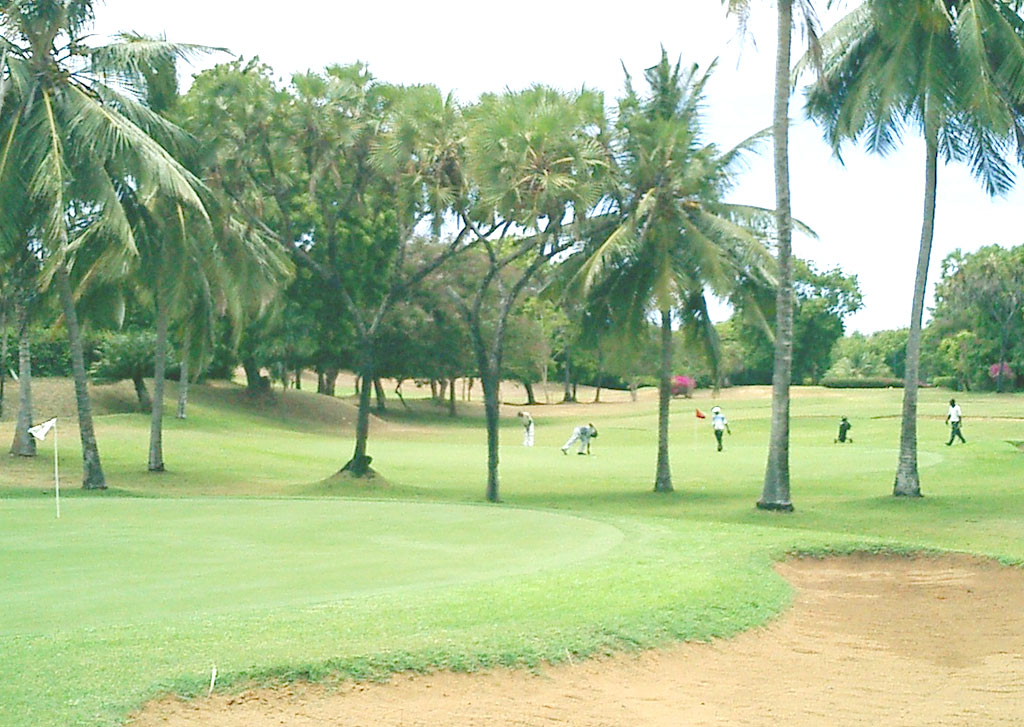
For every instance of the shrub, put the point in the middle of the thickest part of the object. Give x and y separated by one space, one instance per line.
683 386
862 382
51 355
946 382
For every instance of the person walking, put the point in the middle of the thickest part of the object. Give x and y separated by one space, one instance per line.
719 424
583 435
954 418
527 421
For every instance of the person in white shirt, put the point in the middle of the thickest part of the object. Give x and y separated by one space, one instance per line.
527 421
954 418
720 424
583 435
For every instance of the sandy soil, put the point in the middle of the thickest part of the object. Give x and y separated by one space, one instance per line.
886 641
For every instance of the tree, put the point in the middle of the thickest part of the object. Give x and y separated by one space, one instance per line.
76 144
982 293
343 170
535 159
675 240
775 494
823 300
949 69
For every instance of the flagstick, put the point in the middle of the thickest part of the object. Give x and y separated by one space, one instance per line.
56 470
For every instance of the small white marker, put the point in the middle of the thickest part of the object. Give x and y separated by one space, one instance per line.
213 679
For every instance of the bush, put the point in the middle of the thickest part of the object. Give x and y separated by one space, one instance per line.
862 382
51 354
946 382
683 386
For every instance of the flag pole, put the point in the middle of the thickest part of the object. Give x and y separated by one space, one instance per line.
56 469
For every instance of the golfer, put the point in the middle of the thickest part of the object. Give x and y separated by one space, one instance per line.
954 418
844 428
527 421
583 435
719 424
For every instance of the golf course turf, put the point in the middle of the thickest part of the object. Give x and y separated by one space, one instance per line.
244 557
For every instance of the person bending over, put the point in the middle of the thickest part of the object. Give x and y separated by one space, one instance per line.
583 435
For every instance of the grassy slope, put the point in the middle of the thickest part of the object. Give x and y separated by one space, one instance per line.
127 597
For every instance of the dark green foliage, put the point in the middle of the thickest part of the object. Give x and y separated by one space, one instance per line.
879 382
824 299
979 315
50 355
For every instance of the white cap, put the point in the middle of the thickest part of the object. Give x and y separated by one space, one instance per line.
716 410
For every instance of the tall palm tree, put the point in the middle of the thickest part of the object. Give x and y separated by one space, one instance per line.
950 69
76 140
775 494
675 239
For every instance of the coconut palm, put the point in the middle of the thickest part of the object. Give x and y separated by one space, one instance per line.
949 69
192 265
76 140
675 240
775 494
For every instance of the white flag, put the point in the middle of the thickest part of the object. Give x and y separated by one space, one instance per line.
39 431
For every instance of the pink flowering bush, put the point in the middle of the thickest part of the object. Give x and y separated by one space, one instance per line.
683 386
995 369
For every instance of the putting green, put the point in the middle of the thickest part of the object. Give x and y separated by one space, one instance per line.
155 560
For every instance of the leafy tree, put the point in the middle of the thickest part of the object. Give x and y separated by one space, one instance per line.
982 293
949 69
857 356
674 239
76 145
823 300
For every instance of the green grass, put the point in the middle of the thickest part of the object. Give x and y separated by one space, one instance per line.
243 555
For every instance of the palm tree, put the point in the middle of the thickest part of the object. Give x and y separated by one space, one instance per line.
675 239
775 493
74 139
950 70
537 159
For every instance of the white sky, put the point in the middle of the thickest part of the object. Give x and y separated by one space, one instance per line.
868 213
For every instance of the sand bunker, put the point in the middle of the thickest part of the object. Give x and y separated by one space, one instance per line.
885 641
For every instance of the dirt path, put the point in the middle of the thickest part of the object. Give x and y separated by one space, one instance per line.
879 641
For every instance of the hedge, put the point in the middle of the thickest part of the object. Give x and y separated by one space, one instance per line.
865 382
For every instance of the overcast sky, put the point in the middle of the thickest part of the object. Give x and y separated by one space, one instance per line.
867 213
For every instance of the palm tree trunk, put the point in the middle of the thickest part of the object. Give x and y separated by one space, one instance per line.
156 422
3 356
92 469
663 478
183 381
359 465
775 494
24 444
492 411
908 483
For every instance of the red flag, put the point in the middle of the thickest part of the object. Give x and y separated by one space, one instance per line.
700 414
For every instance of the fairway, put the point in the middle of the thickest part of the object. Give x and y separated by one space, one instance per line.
242 557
